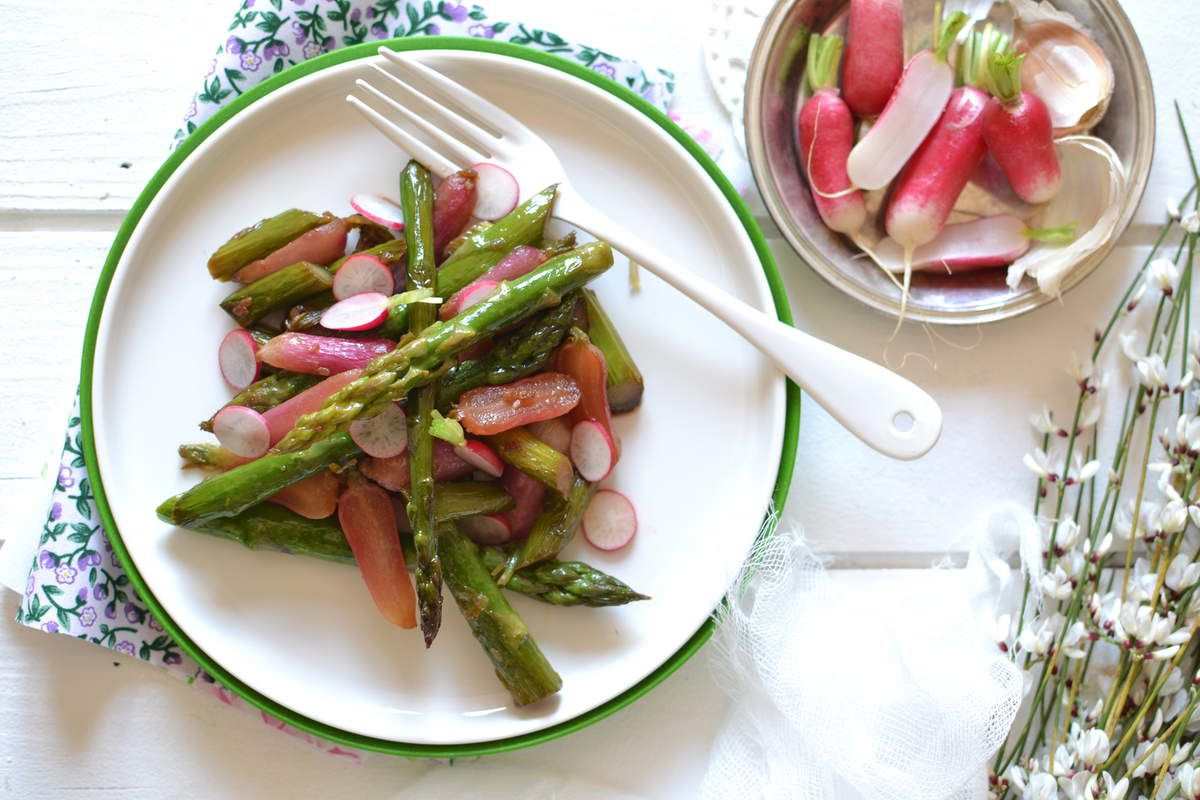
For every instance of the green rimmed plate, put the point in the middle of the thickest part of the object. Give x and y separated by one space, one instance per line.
712 445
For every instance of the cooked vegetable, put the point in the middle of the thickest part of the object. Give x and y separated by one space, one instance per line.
584 362
206 454
307 315
625 384
552 530
826 133
554 432
360 273
487 529
535 458
498 191
242 431
321 245
281 289
453 202
379 209
260 240
394 473
237 356
610 522
528 498
493 409
593 451
874 54
384 435
1019 133
369 524
281 418
564 583
390 253
359 312
473 294
315 497
481 457
501 632
322 355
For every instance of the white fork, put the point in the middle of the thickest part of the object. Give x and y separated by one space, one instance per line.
888 412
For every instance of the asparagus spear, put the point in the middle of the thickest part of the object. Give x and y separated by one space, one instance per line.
390 252
416 198
625 383
307 315
268 392
206 454
280 289
391 376
563 583
261 239
522 352
535 458
501 632
552 530
249 484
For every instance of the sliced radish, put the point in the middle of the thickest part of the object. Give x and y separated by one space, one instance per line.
592 450
496 190
358 312
481 457
238 357
554 432
477 292
282 418
489 529
384 435
362 273
528 499
321 355
242 431
379 209
610 521
494 409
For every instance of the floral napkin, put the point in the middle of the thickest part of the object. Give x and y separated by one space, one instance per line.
75 585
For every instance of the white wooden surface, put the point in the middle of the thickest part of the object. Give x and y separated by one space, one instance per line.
89 95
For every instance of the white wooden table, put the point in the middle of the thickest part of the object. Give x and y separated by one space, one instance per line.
89 94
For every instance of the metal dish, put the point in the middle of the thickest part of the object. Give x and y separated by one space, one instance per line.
773 84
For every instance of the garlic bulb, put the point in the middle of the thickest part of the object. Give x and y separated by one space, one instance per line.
1063 66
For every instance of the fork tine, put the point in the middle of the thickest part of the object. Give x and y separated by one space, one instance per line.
470 107
469 151
432 159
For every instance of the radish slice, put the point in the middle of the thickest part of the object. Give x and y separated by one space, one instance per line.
496 190
481 457
358 312
237 356
242 431
490 529
362 273
610 521
592 450
554 432
384 435
379 209
477 292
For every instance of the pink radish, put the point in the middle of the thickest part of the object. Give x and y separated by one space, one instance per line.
470 295
489 529
379 209
528 495
826 132
519 261
874 54
282 418
592 450
321 355
453 202
925 192
981 243
481 457
610 521
554 432
315 497
393 473
242 431
911 112
321 245
383 435
497 191
1019 133
362 273
359 312
237 356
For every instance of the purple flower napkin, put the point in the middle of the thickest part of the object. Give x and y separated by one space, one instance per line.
75 584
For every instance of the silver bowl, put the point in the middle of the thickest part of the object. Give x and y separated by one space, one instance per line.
773 82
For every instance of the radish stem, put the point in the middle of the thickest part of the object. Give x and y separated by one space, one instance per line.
824 57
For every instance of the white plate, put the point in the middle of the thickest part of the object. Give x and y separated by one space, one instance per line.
699 461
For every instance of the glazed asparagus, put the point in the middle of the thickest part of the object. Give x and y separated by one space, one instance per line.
625 384
261 239
281 289
552 530
563 583
416 198
268 392
535 458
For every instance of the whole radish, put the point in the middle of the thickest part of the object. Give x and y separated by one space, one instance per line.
826 130
911 112
874 54
1019 132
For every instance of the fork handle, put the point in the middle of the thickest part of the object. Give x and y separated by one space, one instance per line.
884 410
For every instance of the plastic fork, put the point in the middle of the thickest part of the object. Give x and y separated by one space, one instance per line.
456 127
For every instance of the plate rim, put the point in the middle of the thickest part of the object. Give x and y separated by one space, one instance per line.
331 733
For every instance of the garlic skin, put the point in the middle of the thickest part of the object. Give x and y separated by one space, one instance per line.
1063 66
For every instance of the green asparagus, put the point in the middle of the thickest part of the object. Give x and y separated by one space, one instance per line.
625 383
268 392
390 252
519 354
501 632
307 315
280 289
414 363
261 239
552 530
416 198
563 583
208 455
521 449
249 484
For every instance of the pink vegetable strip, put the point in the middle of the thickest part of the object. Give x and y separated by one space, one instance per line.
321 245
282 418
321 355
874 54
528 497
453 202
994 241
1020 134
315 497
393 473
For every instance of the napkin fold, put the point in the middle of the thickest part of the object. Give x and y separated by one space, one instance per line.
68 575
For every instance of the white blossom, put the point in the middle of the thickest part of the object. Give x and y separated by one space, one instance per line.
1129 345
1152 763
1187 431
1079 472
1080 371
1152 372
1189 781
1038 640
1068 534
1173 208
1171 516
1089 415
1043 422
1056 584
1093 747
1115 791
1163 274
1080 786
1016 778
1074 640
1039 463
1182 572
1041 786
1191 222
1101 548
